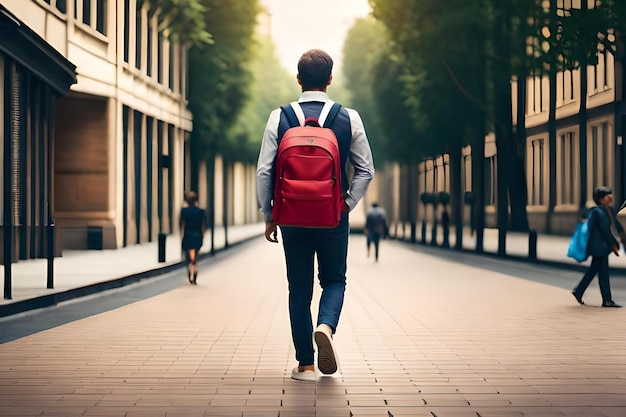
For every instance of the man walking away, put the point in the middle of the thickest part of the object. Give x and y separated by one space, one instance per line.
375 227
302 244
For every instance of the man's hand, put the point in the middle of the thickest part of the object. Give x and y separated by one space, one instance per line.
271 234
616 250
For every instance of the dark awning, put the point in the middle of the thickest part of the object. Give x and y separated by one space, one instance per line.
30 50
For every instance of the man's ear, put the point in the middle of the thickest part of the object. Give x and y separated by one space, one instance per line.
298 78
330 80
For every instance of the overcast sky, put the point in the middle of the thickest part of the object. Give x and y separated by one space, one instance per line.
299 25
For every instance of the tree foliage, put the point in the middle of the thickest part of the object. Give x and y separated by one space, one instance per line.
219 76
185 19
365 46
272 85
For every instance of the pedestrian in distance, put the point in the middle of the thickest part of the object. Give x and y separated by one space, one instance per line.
601 219
193 225
375 227
302 244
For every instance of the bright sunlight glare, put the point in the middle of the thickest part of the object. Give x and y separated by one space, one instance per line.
299 25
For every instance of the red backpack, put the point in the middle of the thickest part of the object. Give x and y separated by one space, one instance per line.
307 188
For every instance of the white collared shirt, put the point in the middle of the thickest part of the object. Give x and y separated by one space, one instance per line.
360 157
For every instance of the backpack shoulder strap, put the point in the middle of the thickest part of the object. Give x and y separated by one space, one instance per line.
295 116
332 113
290 114
328 113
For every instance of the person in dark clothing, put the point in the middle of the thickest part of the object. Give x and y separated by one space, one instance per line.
375 227
601 219
192 228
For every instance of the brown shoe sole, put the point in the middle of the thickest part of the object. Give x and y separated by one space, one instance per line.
326 361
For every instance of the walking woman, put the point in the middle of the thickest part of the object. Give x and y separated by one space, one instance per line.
601 220
193 225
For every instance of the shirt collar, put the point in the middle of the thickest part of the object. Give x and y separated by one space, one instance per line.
313 96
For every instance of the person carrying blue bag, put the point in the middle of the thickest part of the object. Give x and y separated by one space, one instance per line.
600 243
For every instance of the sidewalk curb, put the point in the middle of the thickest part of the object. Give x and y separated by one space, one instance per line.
615 271
53 299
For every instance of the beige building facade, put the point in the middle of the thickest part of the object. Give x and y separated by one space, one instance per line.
120 132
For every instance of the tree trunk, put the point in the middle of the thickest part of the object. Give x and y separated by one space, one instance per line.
518 191
478 182
552 121
503 123
519 199
582 123
552 147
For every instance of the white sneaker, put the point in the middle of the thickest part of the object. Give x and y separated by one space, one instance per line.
326 361
308 375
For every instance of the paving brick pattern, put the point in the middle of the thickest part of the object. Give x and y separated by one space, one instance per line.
419 337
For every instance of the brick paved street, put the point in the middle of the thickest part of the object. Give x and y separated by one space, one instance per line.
419 337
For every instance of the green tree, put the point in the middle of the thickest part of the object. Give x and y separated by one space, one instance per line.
272 86
442 86
185 19
365 45
219 77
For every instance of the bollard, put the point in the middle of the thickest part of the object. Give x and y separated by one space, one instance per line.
7 232
162 237
50 255
532 245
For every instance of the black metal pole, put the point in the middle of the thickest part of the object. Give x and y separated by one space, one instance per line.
7 229
8 249
50 254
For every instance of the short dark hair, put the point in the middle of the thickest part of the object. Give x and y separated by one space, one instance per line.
601 192
191 197
314 68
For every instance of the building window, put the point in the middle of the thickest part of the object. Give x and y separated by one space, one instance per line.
567 169
599 150
466 173
535 93
491 185
182 72
149 43
126 30
101 9
537 178
91 12
170 82
138 37
61 5
87 12
567 86
605 75
160 58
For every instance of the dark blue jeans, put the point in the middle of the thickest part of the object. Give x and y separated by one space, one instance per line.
301 246
599 265
374 238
